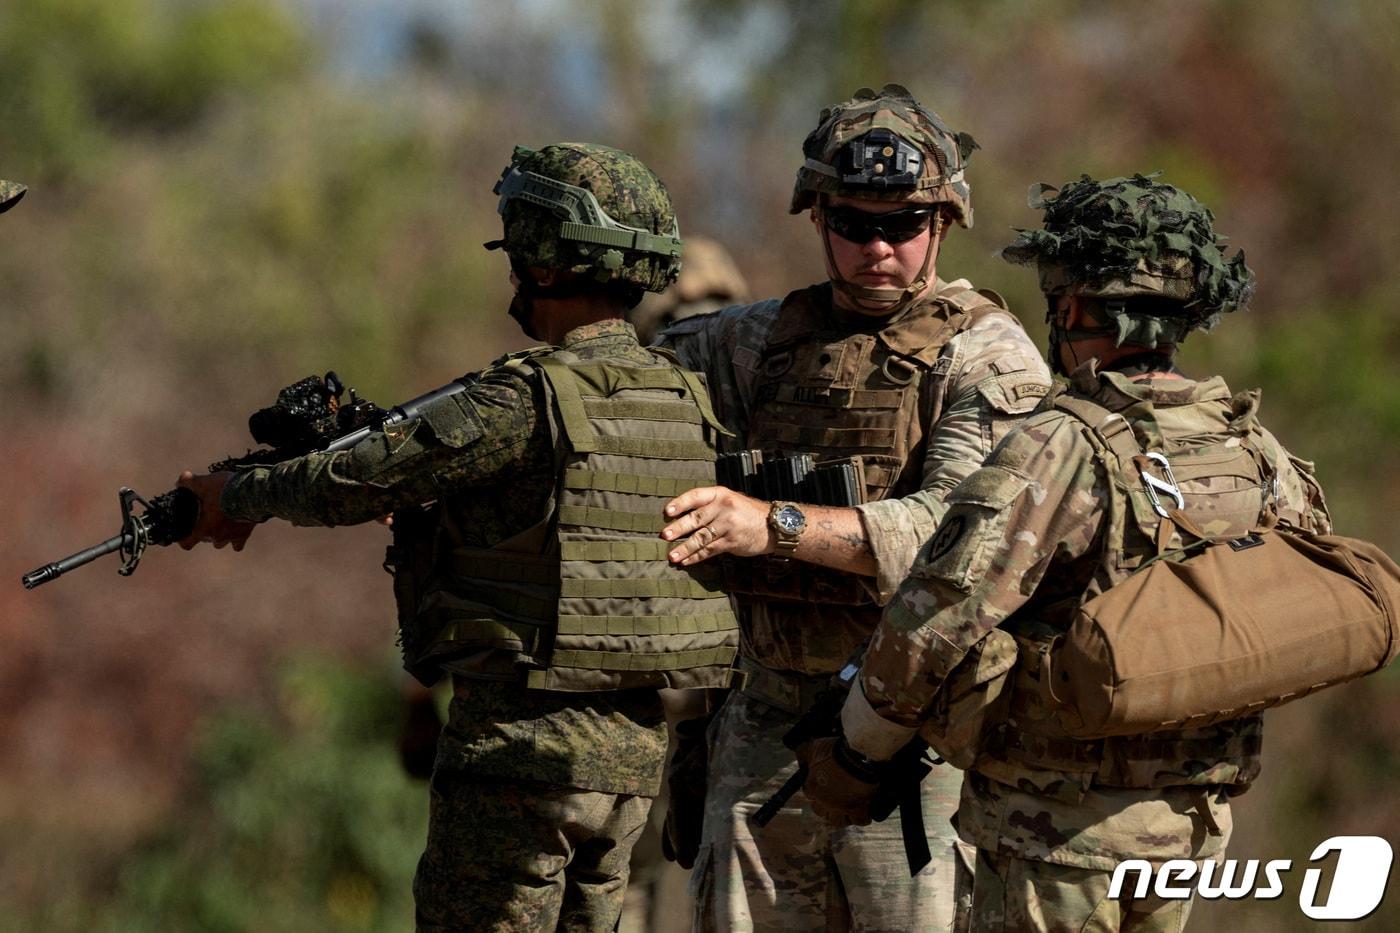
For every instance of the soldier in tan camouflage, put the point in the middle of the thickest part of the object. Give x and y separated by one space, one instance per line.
914 377
709 281
1129 266
525 558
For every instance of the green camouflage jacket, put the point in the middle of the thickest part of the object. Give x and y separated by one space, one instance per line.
495 479
977 410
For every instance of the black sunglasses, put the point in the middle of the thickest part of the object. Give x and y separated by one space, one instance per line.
858 226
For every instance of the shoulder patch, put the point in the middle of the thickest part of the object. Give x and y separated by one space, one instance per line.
453 420
1016 393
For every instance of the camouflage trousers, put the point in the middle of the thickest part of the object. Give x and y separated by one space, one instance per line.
797 873
1044 861
1016 895
515 856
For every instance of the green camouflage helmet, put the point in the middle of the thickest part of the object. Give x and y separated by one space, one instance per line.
888 147
10 193
590 210
1125 237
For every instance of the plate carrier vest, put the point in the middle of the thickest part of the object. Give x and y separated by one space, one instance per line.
833 394
586 598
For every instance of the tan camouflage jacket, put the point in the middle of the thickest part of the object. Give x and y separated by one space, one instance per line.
488 455
979 407
1022 541
1033 541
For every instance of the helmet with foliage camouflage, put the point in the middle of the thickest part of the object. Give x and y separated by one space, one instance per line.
10 193
591 210
886 146
1127 237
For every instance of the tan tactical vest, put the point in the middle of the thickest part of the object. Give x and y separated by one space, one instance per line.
586 599
834 394
1228 486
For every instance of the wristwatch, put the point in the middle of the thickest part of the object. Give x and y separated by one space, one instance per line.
788 523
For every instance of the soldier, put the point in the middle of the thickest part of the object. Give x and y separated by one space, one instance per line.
535 577
916 377
1063 510
708 282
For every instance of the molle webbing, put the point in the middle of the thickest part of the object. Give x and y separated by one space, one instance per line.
603 609
698 623
671 486
612 519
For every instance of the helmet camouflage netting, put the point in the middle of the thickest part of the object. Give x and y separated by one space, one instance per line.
10 193
591 210
1124 237
932 173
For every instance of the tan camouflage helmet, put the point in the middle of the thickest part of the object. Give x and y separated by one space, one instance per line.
10 193
591 210
886 146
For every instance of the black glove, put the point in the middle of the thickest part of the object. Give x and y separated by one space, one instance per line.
686 776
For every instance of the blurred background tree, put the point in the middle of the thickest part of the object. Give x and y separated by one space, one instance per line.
227 195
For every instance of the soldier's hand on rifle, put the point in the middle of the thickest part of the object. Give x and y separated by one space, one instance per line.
717 520
840 783
212 524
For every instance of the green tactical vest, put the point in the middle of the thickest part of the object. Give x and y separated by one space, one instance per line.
1229 488
586 598
835 395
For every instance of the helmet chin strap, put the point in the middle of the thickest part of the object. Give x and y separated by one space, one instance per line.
887 301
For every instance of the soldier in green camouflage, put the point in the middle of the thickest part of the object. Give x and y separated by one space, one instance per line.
526 559
1129 266
915 378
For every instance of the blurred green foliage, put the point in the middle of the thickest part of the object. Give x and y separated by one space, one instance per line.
297 817
75 73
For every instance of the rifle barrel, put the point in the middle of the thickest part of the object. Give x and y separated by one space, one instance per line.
59 567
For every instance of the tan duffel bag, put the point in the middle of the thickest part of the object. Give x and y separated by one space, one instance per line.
1242 625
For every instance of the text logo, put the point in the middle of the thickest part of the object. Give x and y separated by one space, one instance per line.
1358 881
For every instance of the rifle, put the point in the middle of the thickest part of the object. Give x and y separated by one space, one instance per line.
898 788
308 416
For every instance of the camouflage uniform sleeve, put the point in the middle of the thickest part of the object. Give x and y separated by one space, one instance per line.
1039 500
997 378
474 436
725 347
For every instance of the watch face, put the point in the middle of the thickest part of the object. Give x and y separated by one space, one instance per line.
790 519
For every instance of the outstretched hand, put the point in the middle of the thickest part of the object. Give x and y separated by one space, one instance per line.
717 520
211 524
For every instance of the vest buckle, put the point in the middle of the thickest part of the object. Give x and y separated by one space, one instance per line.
907 370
